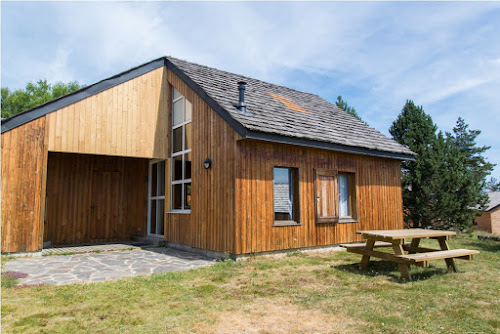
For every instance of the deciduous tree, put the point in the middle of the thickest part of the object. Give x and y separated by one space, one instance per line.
17 101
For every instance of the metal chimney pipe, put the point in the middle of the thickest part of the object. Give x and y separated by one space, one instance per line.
242 106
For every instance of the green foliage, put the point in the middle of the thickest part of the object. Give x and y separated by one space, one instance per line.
14 102
344 106
462 179
492 185
445 184
414 129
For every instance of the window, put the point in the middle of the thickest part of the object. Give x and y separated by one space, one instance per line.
182 111
286 196
156 208
335 196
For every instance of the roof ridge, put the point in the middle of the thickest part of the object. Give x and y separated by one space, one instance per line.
244 76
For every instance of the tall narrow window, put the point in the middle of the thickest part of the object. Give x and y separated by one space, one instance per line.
156 208
182 111
286 196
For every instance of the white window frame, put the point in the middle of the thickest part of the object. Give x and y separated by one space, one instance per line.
155 198
181 153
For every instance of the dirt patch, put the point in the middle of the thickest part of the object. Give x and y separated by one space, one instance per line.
280 316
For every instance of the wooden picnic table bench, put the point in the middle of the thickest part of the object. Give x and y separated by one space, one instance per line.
415 255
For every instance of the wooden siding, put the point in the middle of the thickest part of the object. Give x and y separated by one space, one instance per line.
23 157
210 225
95 198
125 120
489 222
379 199
484 222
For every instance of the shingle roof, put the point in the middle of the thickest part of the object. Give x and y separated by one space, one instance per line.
323 122
494 200
275 113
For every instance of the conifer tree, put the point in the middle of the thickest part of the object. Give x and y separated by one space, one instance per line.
347 108
462 179
415 129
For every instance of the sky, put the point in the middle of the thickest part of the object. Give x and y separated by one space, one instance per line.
445 56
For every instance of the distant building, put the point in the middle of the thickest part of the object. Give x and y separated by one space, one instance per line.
490 220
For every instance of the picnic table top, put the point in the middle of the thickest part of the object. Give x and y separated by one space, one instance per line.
405 233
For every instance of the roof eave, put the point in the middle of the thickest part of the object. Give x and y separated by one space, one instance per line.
64 101
325 145
223 113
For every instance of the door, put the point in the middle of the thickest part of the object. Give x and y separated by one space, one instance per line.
104 205
325 187
156 208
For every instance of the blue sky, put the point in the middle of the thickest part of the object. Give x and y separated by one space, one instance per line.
443 55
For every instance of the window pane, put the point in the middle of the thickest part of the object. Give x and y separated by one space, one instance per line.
344 196
160 214
177 140
283 192
152 223
177 196
187 196
176 94
187 165
189 135
161 178
177 168
189 111
153 179
178 111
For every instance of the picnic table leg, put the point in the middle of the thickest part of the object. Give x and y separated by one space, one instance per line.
403 268
364 260
414 244
450 263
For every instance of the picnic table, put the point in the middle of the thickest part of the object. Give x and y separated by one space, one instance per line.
411 253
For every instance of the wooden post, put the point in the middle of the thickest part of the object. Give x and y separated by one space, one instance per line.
414 244
403 268
450 263
364 260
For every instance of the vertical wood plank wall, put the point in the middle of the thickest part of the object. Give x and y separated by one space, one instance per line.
210 225
484 222
378 191
125 120
69 191
22 156
489 221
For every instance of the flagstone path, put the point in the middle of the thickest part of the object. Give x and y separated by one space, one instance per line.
78 268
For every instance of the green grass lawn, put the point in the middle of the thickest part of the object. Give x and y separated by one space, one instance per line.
319 292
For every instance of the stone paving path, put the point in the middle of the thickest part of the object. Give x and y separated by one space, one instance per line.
67 269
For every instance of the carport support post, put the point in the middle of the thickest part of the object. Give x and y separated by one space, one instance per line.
43 191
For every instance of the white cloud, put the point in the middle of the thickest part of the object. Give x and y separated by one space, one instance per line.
445 56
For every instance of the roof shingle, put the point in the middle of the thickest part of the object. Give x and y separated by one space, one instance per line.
322 120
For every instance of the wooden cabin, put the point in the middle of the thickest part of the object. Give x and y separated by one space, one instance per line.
489 221
195 156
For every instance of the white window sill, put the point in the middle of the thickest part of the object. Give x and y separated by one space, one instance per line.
180 211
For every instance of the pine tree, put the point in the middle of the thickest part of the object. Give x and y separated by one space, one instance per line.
415 129
347 108
462 180
492 185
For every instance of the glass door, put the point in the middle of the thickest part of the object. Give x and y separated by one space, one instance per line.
156 207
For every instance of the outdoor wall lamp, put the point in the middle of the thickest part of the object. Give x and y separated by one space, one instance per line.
207 163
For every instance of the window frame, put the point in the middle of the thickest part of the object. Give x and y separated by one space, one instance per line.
296 212
352 179
182 153
156 198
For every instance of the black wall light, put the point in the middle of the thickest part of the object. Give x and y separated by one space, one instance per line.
207 163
